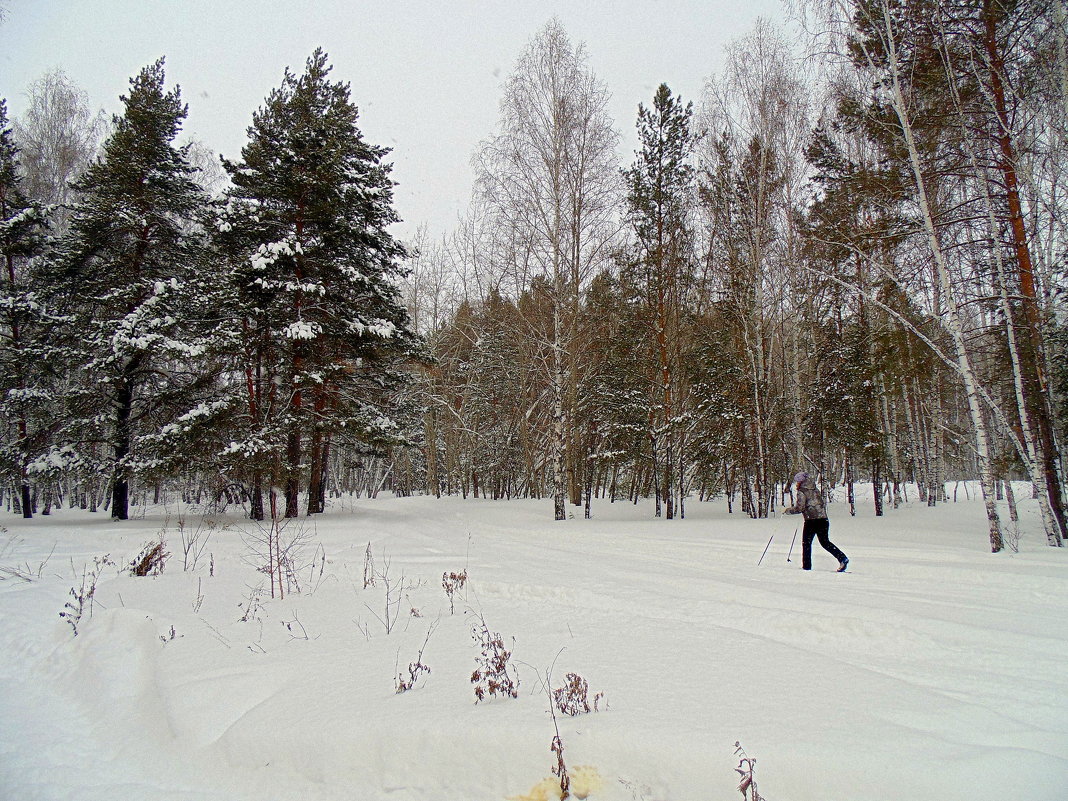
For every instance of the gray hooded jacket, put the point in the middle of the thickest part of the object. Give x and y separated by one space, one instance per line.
809 501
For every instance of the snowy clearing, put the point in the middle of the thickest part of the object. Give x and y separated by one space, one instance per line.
931 670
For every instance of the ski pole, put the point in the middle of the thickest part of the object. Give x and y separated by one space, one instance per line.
765 550
792 544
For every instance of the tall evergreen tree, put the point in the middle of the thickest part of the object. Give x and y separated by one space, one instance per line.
660 197
21 238
324 324
123 278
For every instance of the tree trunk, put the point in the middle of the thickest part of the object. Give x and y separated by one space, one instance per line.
16 347
559 441
292 488
851 496
120 479
1036 411
256 510
953 320
1026 367
324 478
317 457
877 485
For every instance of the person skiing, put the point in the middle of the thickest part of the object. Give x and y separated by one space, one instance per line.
810 503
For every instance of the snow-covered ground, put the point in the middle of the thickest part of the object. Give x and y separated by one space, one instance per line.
932 670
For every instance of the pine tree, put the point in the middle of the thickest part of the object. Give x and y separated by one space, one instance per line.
22 226
616 404
855 227
659 202
123 276
324 325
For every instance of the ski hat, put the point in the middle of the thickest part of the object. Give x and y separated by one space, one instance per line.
800 477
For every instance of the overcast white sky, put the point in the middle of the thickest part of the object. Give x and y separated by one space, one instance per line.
425 75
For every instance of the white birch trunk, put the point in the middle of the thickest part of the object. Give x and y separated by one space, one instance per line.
559 441
892 445
919 447
953 323
1060 15
1031 454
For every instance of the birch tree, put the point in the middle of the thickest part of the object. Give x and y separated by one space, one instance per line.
756 115
974 46
549 182
58 135
878 44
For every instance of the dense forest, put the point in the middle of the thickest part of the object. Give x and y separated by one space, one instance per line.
848 257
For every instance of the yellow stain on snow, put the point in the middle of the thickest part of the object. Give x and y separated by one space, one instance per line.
584 780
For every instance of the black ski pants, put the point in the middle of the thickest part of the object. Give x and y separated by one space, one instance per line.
813 529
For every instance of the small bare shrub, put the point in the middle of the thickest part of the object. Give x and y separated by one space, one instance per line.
82 596
22 572
571 696
151 560
279 551
453 583
1011 535
578 781
195 540
252 605
494 675
396 591
746 770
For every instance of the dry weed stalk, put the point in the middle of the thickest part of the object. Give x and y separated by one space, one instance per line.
453 583
252 605
368 568
560 770
22 572
573 698
151 560
494 675
746 770
83 596
416 668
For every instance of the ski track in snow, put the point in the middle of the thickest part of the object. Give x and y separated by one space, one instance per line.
931 670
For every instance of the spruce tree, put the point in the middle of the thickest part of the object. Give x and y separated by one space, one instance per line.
124 277
315 279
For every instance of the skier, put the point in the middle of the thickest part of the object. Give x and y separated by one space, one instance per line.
810 503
